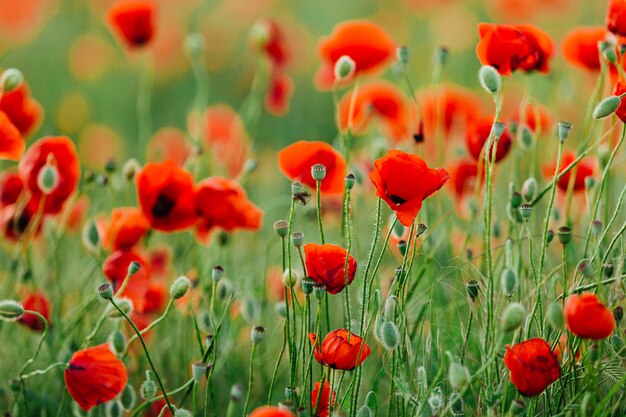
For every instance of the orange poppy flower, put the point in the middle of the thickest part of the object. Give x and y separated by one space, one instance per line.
477 136
586 168
115 268
279 93
379 100
508 48
587 317
223 203
366 43
463 176
12 143
580 47
94 376
133 22
35 301
326 264
616 17
61 151
324 401
11 187
337 351
124 229
166 196
24 112
169 144
404 181
532 365
269 411
225 135
296 160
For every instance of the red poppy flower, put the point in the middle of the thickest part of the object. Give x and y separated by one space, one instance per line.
586 167
169 144
580 47
587 317
616 17
269 411
279 93
296 160
61 151
463 177
11 187
166 196
124 229
23 111
404 181
618 90
267 37
535 116
223 203
326 264
94 376
155 298
324 401
11 141
16 220
366 43
379 100
36 301
477 136
533 366
133 22
115 268
511 47
338 351
562 350
225 134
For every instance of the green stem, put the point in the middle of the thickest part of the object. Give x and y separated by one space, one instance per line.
251 375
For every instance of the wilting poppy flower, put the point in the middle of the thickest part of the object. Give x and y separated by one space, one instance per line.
366 43
616 17
133 21
169 144
224 133
587 317
324 399
115 268
94 376
23 111
223 203
124 228
279 93
166 196
11 187
404 181
580 47
326 264
533 366
380 100
11 141
269 411
296 160
477 136
60 151
585 168
35 301
338 351
511 47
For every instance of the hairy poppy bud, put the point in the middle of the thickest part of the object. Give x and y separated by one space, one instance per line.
179 287
11 79
114 409
124 304
350 180
128 398
307 284
472 289
555 315
526 210
563 130
281 227
389 335
133 267
508 281
364 411
257 334
586 268
198 369
402 54
565 234
48 178
117 342
290 278
596 227
296 188
457 374
105 291
344 67
549 236
402 246
148 388
529 189
11 310
181 412
90 236
513 316
516 199
297 239
318 172
527 138
131 168
606 107
489 79
217 273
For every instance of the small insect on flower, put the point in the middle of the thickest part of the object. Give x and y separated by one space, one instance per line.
340 350
586 317
326 265
532 366
94 376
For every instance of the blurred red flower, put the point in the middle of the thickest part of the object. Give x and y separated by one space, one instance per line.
404 181
616 17
326 264
580 47
586 167
94 376
124 228
532 365
115 268
279 92
23 111
587 317
169 144
534 116
324 401
618 90
477 135
463 177
224 133
15 220
12 143
338 351
133 22
37 301
269 411
11 187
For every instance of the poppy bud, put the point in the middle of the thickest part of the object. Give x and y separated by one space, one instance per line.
344 67
194 43
133 267
350 180
11 79
48 178
307 284
590 182
389 335
124 304
489 79
596 227
610 55
130 169
563 129
472 289
565 234
508 281
517 408
555 315
128 398
526 210
290 278
618 313
513 316
440 56
179 287
236 393
549 236
516 199
527 138
606 107
280 308
457 374
608 270
11 310
105 291
319 291
421 228
586 268
91 237
148 388
364 411
114 409
217 273
117 342
402 54
198 369
529 189
110 166
257 334
181 412
297 239
318 172
281 227
514 213
402 246
224 289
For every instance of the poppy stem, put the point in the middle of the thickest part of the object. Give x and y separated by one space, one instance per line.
143 108
537 281
280 355
29 362
162 317
346 264
250 377
318 194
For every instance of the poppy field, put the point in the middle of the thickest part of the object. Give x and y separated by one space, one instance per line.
335 209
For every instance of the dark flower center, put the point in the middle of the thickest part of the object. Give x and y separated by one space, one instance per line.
163 206
397 199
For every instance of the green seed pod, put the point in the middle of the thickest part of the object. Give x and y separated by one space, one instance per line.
389 335
179 287
307 284
350 180
198 370
402 247
440 56
48 178
513 316
124 304
11 310
117 342
596 227
217 272
565 234
280 308
105 291
549 236
319 291
563 129
224 289
508 281
133 268
606 107
318 172
297 239
281 227
236 393
526 210
421 228
516 199
257 334
555 315
489 79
